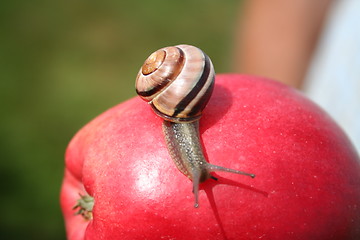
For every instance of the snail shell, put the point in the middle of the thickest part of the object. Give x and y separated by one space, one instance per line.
177 82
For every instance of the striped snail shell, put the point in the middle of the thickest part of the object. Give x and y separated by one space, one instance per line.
177 82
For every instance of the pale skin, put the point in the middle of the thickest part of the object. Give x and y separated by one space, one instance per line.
277 38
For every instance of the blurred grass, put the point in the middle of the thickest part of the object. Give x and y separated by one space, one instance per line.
64 62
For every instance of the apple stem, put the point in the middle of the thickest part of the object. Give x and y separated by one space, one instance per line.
85 206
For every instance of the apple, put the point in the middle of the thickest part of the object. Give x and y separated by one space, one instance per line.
125 186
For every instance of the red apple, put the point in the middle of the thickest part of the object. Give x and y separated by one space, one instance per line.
307 183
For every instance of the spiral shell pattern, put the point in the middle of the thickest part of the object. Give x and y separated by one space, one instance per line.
177 82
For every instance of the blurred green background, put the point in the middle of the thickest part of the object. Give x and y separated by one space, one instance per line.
64 62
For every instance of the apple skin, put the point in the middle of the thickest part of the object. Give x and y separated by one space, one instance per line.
307 183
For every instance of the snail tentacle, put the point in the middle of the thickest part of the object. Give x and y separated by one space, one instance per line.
215 168
196 182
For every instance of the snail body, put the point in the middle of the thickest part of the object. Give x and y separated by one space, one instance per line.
177 82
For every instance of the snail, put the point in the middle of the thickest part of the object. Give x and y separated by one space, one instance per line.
177 82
